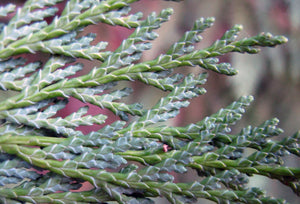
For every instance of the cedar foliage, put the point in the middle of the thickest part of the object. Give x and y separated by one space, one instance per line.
44 158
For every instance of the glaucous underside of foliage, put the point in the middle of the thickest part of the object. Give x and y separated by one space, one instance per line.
44 158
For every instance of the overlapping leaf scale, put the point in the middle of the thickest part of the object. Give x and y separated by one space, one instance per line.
24 17
292 144
40 80
205 58
114 17
45 79
133 178
60 74
207 164
230 151
200 145
121 194
168 107
172 160
81 149
128 142
211 183
4 10
205 130
203 133
214 65
232 146
187 192
197 148
172 102
19 72
38 4
73 153
210 163
227 157
29 110
174 164
153 173
118 18
51 72
77 118
162 133
226 151
184 45
271 152
224 44
258 136
219 122
92 91
34 118
173 192
250 45
75 7
93 196
258 196
69 17
129 53
99 159
182 195
221 195
155 21
8 80
24 24
164 62
41 190
49 183
108 101
14 129
231 34
180 192
59 125
33 83
130 50
72 18
68 45
15 171
232 179
66 150
162 80
78 14
11 63
103 136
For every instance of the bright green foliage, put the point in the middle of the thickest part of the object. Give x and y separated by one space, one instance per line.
34 139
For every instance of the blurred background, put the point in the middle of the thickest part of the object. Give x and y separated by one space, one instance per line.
272 76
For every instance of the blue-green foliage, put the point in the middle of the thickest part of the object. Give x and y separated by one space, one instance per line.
44 158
